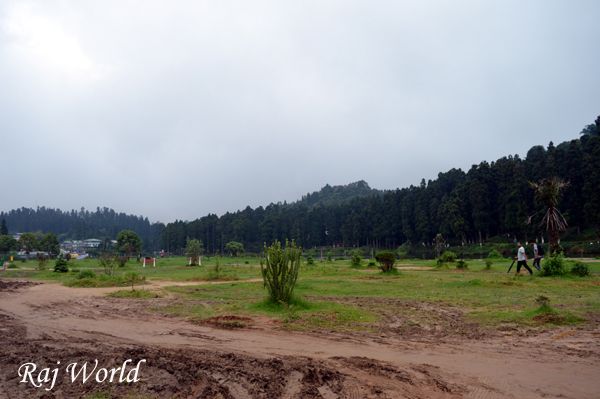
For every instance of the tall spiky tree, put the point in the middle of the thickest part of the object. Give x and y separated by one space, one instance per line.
547 192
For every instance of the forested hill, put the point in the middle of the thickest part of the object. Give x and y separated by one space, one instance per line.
490 199
338 195
82 224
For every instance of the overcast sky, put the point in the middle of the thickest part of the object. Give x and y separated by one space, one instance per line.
174 109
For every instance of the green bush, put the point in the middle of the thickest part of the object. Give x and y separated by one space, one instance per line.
355 258
279 268
86 274
580 269
42 261
488 264
448 256
386 260
371 263
494 254
553 265
461 264
122 260
12 265
60 265
310 260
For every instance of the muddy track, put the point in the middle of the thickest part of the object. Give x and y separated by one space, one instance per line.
49 322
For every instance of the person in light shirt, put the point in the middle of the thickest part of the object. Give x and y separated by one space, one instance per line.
522 259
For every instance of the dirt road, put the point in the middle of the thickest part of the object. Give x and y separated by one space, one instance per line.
50 322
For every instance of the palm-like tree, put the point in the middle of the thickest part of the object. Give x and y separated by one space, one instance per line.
547 192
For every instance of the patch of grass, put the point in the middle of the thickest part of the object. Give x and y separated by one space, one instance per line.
491 298
101 280
136 294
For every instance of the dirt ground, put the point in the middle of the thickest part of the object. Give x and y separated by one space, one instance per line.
232 357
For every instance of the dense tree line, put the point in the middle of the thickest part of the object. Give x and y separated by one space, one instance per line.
82 224
489 200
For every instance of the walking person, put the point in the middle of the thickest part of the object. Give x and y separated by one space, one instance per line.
538 254
522 259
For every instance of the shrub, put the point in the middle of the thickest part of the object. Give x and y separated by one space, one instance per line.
329 256
355 258
461 264
553 266
279 268
488 264
217 271
386 260
448 256
107 262
86 274
42 261
494 254
122 260
371 263
310 260
133 278
402 251
60 265
580 269
12 265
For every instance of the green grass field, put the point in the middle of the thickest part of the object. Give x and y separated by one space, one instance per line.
335 296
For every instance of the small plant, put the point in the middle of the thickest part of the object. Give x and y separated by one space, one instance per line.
494 254
386 260
461 264
60 266
12 265
580 269
217 271
488 264
355 258
553 265
86 274
279 268
329 256
448 256
544 304
42 261
133 278
122 260
107 262
310 261
371 263
542 300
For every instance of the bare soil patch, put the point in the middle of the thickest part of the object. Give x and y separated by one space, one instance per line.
11 285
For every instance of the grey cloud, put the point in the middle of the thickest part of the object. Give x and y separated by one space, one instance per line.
177 109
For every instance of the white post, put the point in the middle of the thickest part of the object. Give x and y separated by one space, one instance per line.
153 262
144 264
